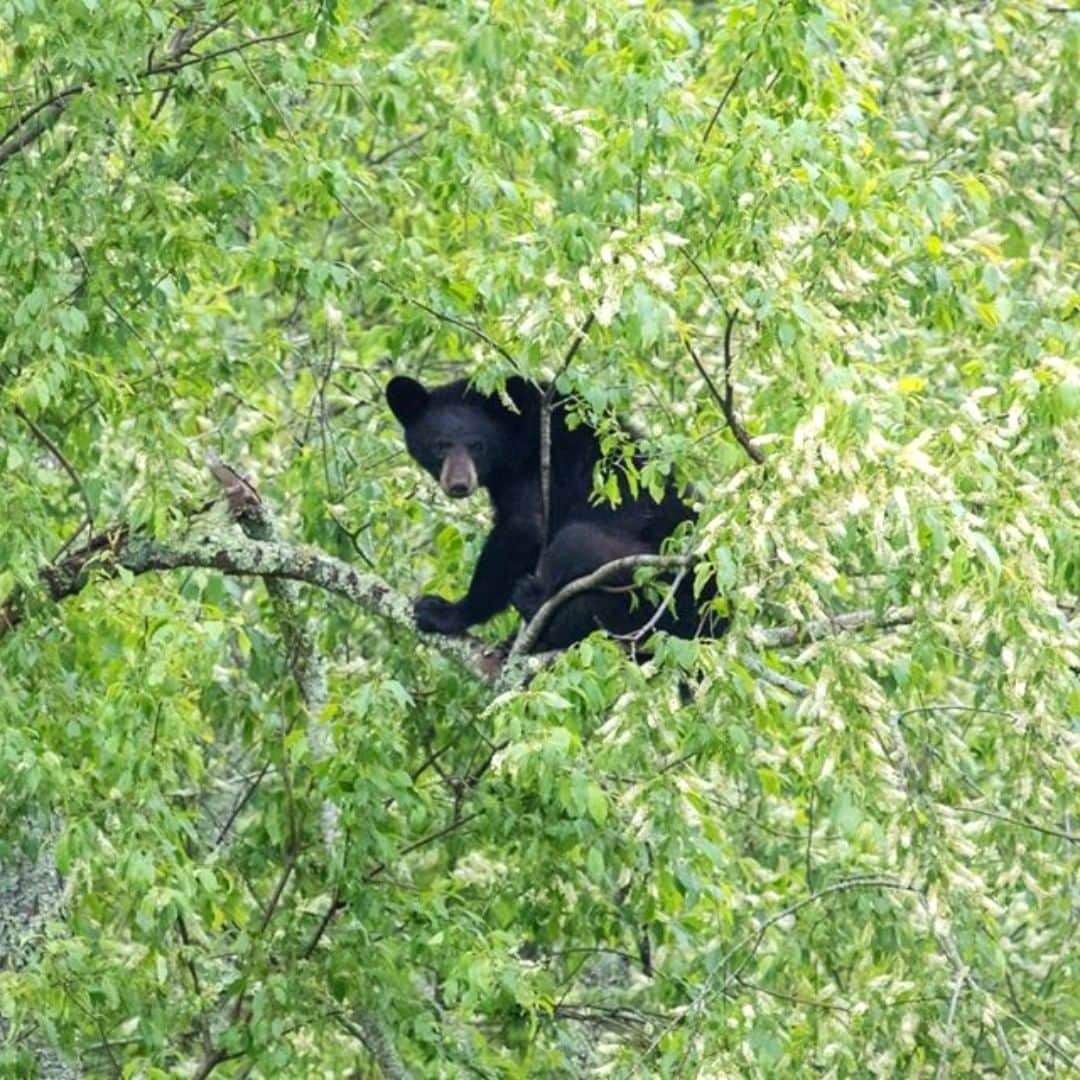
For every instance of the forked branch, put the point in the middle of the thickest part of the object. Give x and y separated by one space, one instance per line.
726 400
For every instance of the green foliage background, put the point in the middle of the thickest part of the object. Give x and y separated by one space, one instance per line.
229 245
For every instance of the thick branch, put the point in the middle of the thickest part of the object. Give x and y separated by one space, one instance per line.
378 1045
226 550
230 552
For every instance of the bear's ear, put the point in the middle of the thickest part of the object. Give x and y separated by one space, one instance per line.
522 393
406 397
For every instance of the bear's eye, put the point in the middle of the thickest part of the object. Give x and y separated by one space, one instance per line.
442 448
475 448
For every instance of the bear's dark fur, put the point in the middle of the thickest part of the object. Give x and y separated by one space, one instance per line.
468 440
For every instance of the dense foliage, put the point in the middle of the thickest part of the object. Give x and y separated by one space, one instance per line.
226 225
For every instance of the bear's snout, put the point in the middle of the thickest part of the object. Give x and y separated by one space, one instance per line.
458 475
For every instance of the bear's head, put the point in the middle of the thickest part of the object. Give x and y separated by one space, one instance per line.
460 437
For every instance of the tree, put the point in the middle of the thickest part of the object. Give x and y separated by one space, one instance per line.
253 823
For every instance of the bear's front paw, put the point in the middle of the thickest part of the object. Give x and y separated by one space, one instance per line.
527 596
435 615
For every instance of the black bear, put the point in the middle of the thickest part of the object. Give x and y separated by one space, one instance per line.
468 440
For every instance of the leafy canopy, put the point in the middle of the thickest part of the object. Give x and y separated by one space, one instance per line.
226 224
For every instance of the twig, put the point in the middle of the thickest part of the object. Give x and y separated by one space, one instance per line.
239 805
276 895
66 465
335 905
29 134
1046 830
386 155
302 655
530 633
545 424
454 825
22 133
247 43
726 401
636 635
767 674
754 940
705 277
958 986
782 636
793 998
486 338
58 100
719 108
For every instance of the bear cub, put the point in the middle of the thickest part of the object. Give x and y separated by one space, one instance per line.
467 440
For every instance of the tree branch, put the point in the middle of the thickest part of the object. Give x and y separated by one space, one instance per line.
780 637
719 109
27 129
375 1041
545 423
230 552
29 133
63 462
441 315
531 632
304 659
726 401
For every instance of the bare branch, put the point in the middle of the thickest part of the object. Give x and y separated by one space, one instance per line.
63 462
454 826
531 632
636 635
780 637
486 338
1046 830
202 58
720 108
545 423
767 674
230 552
726 401
386 155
